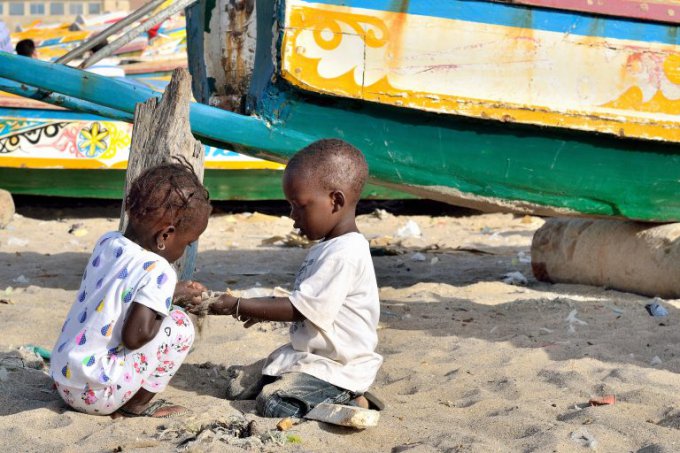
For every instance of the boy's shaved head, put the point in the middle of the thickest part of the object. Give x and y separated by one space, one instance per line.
333 163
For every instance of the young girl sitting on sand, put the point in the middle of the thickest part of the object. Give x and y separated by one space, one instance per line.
122 341
334 307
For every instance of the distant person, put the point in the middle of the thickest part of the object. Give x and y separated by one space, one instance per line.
334 306
106 66
26 48
5 39
123 340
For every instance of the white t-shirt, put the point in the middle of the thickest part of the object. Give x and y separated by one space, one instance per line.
90 350
337 293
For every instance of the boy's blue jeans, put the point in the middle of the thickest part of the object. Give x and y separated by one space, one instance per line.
295 394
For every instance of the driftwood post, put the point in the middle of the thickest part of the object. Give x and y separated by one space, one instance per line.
162 131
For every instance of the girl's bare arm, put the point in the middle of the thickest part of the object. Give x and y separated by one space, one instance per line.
141 326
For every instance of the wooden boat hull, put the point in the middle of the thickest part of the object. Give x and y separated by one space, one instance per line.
476 58
68 154
494 166
384 76
466 159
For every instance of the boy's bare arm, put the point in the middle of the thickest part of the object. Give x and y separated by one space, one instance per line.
263 309
141 326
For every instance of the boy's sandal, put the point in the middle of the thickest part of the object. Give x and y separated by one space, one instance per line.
374 402
152 409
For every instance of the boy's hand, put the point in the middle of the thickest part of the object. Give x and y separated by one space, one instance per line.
188 293
224 305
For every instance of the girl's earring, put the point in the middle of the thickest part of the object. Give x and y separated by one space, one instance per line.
161 246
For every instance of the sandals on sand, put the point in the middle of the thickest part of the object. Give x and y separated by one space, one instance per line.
152 409
374 402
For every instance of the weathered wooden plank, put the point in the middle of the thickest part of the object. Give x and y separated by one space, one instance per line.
223 38
161 134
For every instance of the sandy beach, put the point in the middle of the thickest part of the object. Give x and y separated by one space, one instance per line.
472 363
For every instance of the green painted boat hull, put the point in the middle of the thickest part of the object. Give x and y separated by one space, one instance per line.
491 165
222 184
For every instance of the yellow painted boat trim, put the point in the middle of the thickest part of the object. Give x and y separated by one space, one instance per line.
91 164
627 115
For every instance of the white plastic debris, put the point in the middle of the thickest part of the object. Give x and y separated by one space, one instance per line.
514 278
656 360
434 261
617 311
16 242
572 319
584 438
410 230
524 257
21 280
418 257
381 214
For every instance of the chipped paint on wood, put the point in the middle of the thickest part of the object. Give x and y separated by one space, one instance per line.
229 53
518 73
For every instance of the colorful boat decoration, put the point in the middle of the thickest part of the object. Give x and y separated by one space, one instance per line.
489 60
62 153
47 151
482 104
166 41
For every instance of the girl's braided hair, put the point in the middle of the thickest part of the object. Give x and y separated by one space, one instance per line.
170 192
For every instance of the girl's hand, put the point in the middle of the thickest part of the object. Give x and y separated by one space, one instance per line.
188 293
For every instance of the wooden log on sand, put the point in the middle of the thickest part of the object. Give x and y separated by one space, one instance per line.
6 208
623 255
162 133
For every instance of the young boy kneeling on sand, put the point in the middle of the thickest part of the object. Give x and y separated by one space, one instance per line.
334 307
